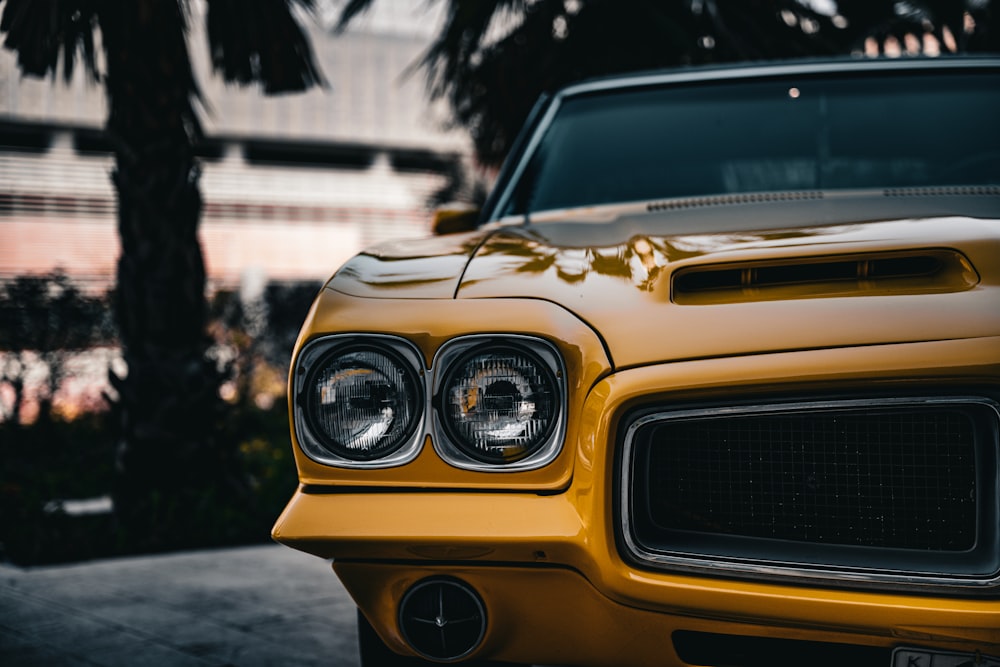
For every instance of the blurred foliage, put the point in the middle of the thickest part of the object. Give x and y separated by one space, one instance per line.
271 319
44 319
54 460
49 460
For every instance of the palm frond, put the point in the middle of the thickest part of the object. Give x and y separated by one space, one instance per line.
491 78
882 19
261 41
467 24
352 10
39 30
985 37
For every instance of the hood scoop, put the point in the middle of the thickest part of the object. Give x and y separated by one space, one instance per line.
870 274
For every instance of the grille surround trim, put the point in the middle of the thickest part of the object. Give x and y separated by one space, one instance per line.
771 565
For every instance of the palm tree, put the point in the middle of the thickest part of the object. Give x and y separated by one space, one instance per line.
171 458
493 58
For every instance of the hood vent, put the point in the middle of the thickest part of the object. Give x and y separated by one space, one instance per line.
926 271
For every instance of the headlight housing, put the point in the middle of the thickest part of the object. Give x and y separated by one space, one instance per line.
359 401
500 403
364 401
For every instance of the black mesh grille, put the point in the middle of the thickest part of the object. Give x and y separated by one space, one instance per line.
900 478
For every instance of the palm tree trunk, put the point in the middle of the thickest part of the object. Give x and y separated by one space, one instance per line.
171 464
179 473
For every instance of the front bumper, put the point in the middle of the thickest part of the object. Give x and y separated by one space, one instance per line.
547 565
556 595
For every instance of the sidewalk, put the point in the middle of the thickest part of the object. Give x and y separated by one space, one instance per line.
243 607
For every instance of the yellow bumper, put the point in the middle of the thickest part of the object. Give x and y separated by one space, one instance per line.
554 615
539 571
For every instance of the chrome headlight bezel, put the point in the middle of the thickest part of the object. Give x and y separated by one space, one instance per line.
447 362
315 357
428 384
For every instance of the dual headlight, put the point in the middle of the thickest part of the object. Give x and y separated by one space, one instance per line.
489 402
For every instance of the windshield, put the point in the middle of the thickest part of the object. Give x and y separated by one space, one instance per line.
871 131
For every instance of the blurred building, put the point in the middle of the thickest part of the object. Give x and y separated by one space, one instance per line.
293 185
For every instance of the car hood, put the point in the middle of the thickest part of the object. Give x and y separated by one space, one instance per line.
615 269
428 268
618 276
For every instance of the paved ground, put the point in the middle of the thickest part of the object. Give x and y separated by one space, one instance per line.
261 605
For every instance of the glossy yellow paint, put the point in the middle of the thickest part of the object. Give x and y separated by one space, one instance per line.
540 546
616 286
416 268
626 280
428 324
545 561
556 615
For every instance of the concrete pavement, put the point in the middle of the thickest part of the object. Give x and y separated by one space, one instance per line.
243 607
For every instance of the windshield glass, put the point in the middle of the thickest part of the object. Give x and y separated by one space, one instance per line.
871 131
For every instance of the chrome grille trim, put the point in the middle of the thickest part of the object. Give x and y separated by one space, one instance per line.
769 562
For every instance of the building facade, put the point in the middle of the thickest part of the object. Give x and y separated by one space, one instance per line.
292 185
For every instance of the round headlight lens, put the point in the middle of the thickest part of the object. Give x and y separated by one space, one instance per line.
362 403
500 404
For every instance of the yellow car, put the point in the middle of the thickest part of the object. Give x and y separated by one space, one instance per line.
713 379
